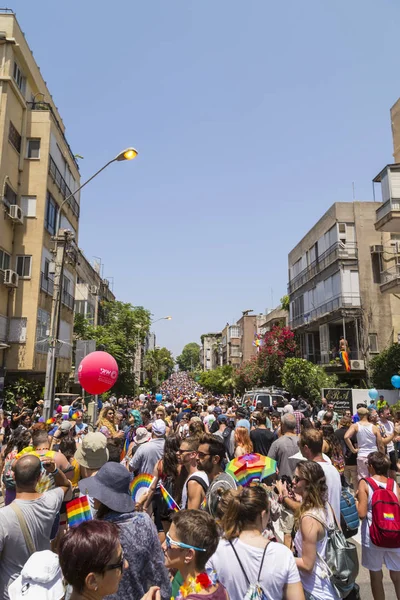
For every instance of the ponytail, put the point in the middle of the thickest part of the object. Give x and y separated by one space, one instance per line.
240 508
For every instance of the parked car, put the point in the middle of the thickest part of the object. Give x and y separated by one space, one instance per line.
265 396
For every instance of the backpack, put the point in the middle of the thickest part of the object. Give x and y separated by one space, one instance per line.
341 558
385 525
254 591
226 437
349 519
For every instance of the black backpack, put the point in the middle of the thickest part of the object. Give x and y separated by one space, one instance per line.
226 437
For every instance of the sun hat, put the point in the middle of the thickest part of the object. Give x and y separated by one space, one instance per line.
41 578
142 435
243 423
159 428
110 486
66 426
92 453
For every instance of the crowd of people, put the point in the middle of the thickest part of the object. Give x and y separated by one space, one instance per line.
271 539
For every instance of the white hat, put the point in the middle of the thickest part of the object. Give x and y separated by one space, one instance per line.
40 579
159 428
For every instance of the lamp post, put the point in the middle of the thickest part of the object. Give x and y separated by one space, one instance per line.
63 239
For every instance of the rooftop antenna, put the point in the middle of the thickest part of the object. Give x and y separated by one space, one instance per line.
373 191
272 297
354 190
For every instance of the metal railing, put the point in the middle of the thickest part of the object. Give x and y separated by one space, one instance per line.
62 186
48 107
338 251
390 274
46 284
387 207
67 299
342 301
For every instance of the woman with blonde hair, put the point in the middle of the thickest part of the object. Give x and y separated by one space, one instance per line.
106 423
244 557
243 443
313 518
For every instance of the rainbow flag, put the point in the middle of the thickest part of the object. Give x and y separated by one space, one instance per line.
172 505
144 480
78 511
124 449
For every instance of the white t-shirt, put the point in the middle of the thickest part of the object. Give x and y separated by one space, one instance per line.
334 485
279 568
209 420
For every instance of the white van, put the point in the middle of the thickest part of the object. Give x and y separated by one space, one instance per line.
265 397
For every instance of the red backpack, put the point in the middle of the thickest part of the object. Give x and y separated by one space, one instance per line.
385 526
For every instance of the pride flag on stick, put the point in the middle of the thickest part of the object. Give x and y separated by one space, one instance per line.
172 505
78 511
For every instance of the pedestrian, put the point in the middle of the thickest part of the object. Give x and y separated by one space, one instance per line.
373 557
226 434
138 536
190 543
40 578
261 437
245 557
368 440
299 416
285 446
388 433
243 444
332 448
147 455
107 422
20 439
350 459
91 455
26 524
314 517
196 483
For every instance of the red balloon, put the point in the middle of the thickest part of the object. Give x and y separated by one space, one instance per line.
98 372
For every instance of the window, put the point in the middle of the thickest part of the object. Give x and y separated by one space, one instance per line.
46 268
14 137
10 197
342 228
28 205
17 333
42 330
376 261
234 331
33 148
373 343
20 80
24 264
51 214
5 260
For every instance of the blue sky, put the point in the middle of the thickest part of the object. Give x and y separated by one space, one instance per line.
251 119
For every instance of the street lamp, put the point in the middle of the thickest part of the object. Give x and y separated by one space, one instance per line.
62 241
161 319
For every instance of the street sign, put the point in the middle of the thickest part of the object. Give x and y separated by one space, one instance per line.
341 398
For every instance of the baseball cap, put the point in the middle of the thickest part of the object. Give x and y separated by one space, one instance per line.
41 578
243 423
222 419
217 410
66 426
159 428
92 453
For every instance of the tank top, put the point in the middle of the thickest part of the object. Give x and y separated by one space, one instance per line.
366 440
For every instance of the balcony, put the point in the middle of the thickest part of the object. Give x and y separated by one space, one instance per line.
60 182
390 280
338 251
348 301
46 284
67 299
388 214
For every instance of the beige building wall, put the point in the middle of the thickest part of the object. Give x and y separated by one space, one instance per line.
26 102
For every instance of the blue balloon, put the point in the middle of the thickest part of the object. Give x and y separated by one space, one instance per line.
374 394
159 396
396 381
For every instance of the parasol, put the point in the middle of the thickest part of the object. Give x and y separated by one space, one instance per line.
251 467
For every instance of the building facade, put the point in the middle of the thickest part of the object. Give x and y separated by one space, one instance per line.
334 288
91 290
277 317
37 172
210 351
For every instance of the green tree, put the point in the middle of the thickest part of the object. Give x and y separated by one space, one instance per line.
158 365
285 302
190 357
384 366
218 381
300 376
124 328
29 390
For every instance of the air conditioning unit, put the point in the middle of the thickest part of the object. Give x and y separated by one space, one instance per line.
377 249
357 365
10 278
93 289
15 213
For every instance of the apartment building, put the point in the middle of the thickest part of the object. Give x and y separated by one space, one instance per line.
230 346
274 318
210 351
91 290
37 172
334 288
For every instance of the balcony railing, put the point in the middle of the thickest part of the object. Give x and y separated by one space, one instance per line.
387 207
345 301
62 186
67 299
47 106
46 284
338 251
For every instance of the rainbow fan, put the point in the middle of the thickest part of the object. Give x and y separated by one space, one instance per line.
172 505
139 484
251 467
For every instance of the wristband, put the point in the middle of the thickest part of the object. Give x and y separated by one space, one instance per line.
54 472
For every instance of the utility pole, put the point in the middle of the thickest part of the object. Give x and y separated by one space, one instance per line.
62 241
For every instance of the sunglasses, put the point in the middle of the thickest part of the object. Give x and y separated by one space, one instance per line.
118 565
296 479
183 451
203 454
169 542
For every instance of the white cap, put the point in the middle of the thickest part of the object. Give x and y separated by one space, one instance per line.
40 579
